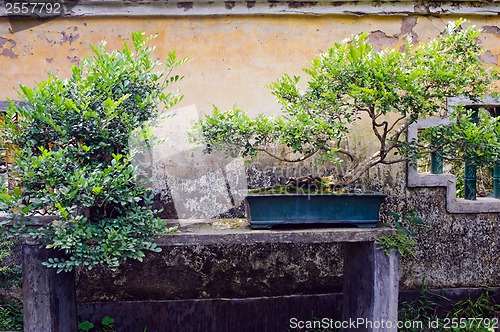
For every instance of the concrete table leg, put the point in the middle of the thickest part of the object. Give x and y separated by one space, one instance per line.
371 284
49 298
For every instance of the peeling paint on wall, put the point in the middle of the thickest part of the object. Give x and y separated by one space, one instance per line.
229 4
489 58
493 29
185 5
407 27
68 38
301 4
7 46
381 40
74 60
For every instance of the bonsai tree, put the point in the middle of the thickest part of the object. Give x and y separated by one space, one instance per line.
72 160
390 88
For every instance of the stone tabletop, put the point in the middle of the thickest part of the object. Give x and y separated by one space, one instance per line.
237 231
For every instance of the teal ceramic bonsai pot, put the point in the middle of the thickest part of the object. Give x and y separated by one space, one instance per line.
265 211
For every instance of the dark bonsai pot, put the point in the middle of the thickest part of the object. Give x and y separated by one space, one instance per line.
361 210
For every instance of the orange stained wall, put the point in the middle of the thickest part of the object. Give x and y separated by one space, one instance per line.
233 58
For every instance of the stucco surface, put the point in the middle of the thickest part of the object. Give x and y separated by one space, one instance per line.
453 250
233 58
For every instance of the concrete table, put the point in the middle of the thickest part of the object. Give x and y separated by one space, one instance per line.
370 283
371 276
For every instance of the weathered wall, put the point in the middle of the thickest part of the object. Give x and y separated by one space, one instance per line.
219 271
453 250
233 58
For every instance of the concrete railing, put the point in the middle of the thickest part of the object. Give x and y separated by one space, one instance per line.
370 286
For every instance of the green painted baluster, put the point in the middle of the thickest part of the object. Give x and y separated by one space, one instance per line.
496 169
496 181
470 182
437 161
470 172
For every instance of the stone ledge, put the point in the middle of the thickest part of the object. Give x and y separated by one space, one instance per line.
279 7
237 231
453 204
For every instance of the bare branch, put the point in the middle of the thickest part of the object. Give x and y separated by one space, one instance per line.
401 129
371 112
385 162
347 153
396 122
307 156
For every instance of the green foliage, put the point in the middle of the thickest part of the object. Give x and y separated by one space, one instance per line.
107 323
351 80
403 240
422 309
10 273
467 141
466 315
72 156
11 316
426 313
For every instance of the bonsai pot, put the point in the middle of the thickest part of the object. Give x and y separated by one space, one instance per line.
267 210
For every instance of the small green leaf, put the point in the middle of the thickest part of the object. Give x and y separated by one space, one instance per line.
107 321
97 190
85 326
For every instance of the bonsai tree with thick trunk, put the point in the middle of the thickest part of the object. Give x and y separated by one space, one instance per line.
392 88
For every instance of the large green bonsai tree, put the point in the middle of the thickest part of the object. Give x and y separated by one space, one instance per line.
70 144
390 88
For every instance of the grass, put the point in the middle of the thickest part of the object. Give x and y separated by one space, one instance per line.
11 311
11 316
425 314
474 315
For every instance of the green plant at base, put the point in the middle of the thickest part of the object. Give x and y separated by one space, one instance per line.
11 316
467 315
107 323
10 273
392 89
403 240
422 309
73 160
482 307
